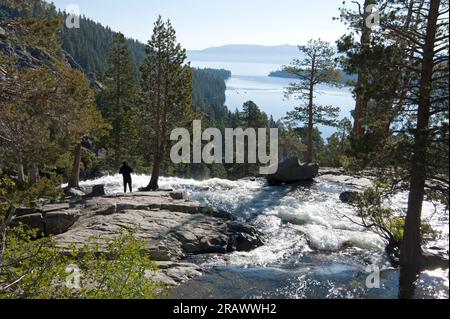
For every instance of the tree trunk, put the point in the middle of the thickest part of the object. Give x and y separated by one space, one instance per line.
309 154
361 99
34 174
153 186
118 116
20 171
74 179
411 251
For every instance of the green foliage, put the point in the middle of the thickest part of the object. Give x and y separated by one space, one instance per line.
33 268
90 44
118 103
122 269
290 143
252 117
166 87
26 194
372 207
208 94
317 67
333 153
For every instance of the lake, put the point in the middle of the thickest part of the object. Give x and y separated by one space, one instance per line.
250 81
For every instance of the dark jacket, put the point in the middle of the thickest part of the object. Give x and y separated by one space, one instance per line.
126 171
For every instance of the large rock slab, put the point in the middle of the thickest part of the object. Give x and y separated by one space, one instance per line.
355 182
58 222
349 197
33 221
172 228
174 273
47 220
292 171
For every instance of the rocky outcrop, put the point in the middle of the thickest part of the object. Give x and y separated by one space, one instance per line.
174 273
291 171
74 193
97 191
30 57
47 220
355 182
172 228
348 197
178 195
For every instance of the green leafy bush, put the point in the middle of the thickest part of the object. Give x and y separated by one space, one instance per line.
375 215
37 268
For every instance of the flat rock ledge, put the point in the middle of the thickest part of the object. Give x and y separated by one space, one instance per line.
172 226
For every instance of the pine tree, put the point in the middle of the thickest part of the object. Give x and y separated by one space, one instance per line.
409 83
252 117
318 67
381 88
166 90
359 22
433 57
119 100
45 110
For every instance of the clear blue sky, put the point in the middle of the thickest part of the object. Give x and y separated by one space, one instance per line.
205 23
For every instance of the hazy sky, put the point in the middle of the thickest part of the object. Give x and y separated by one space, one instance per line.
205 23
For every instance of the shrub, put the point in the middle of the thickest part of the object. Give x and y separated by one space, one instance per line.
36 268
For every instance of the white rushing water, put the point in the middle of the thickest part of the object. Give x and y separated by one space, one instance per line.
309 249
292 219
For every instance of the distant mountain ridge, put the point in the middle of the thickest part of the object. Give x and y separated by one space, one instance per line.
279 54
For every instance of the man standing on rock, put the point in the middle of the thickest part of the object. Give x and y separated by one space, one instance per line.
126 171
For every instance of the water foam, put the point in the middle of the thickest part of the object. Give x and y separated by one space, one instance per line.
292 219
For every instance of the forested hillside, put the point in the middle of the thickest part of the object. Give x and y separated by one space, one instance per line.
89 46
208 94
345 77
90 43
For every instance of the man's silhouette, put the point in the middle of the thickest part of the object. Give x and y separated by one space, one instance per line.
126 171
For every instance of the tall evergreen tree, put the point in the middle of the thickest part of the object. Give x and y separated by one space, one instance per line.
252 116
118 101
45 109
411 78
318 67
166 91
359 21
430 95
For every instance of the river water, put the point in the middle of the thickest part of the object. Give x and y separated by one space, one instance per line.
310 251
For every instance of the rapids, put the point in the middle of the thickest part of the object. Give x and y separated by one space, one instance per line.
310 251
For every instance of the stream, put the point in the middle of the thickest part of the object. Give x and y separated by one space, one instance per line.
310 250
